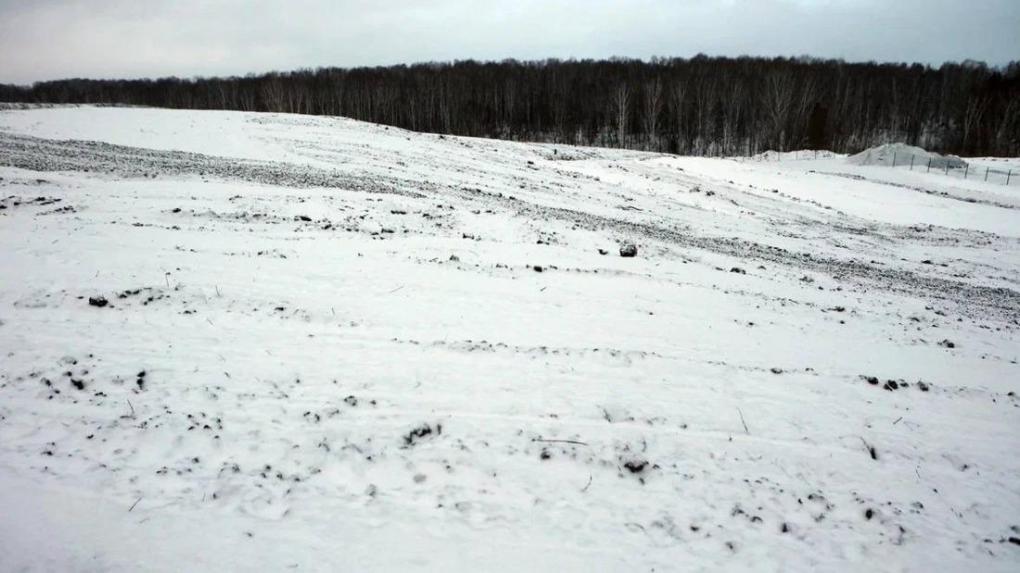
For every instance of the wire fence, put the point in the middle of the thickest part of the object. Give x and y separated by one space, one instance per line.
949 166
959 169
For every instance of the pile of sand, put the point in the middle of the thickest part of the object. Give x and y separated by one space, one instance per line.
901 154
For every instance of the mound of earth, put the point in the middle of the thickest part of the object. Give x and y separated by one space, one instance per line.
893 154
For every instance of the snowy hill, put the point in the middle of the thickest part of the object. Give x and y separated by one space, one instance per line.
267 342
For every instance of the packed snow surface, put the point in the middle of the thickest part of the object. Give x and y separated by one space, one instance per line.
267 342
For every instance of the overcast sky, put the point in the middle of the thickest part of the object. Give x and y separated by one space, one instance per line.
50 39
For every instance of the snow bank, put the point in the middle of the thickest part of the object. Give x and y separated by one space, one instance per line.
896 154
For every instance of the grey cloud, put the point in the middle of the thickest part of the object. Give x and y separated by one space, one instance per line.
51 39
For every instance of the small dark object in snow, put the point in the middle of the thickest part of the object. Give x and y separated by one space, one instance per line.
98 301
454 258
873 380
785 528
303 218
891 385
869 513
351 400
79 384
923 386
947 343
421 432
1014 540
636 466
628 250
775 370
176 210
927 262
738 270
544 455
538 268
603 252
839 308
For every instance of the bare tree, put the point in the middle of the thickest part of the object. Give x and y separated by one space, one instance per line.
652 109
621 109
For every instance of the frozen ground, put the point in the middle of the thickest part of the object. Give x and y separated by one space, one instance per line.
329 345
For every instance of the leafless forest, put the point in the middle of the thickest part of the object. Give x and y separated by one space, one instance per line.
699 106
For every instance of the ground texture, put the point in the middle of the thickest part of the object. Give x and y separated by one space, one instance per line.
253 341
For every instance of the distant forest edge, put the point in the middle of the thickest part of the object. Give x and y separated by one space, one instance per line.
699 106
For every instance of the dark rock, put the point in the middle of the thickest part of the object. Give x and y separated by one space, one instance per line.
738 270
947 344
636 466
538 268
628 250
603 252
98 301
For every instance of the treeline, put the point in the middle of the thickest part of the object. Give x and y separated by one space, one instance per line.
700 106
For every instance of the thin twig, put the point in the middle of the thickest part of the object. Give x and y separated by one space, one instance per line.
132 408
585 488
871 449
396 289
746 431
134 504
560 441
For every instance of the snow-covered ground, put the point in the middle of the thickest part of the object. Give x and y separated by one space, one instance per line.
336 346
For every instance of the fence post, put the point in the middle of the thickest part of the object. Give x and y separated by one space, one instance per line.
986 174
947 167
1008 175
929 165
966 171
894 159
911 162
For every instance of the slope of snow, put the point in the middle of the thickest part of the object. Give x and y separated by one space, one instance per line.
330 345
